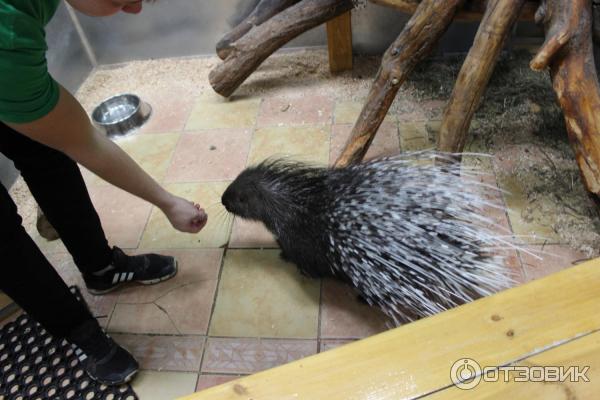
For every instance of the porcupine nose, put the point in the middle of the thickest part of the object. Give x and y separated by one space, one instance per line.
225 202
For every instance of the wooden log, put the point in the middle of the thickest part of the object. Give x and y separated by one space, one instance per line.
253 48
339 43
264 10
414 43
568 51
476 71
472 10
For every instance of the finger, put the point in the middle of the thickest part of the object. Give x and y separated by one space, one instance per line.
201 223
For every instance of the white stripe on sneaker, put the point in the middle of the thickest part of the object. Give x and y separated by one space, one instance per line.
130 276
115 278
123 277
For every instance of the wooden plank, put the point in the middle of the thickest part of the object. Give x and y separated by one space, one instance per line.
415 360
472 10
339 42
583 352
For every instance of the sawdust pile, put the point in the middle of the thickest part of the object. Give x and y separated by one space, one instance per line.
520 123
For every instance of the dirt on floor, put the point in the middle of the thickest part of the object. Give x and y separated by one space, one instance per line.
521 124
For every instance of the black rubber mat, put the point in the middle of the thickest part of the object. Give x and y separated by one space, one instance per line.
35 366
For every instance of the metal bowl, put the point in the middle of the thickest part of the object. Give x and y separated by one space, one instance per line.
120 115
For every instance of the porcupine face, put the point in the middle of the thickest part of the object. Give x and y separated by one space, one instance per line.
276 192
244 196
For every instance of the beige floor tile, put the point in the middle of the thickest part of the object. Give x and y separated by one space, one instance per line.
194 266
433 127
416 145
152 152
347 112
330 344
413 130
212 111
415 114
414 136
215 155
171 106
384 144
251 234
189 307
303 143
188 297
262 296
152 385
208 381
540 261
534 228
343 316
246 356
164 353
141 318
160 234
283 111
123 216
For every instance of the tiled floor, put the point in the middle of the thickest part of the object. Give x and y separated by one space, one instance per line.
235 308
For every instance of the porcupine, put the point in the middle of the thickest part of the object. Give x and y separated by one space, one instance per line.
408 234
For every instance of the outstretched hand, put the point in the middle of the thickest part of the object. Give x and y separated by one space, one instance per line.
185 216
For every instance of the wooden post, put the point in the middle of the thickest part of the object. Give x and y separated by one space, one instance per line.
476 71
568 51
415 42
339 43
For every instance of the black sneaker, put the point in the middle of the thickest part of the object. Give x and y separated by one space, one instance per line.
146 269
103 359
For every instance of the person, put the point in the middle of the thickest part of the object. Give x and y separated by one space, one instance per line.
46 132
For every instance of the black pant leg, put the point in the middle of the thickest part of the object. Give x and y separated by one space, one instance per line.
58 187
30 280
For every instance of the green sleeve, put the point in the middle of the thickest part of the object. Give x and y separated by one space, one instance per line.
27 91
